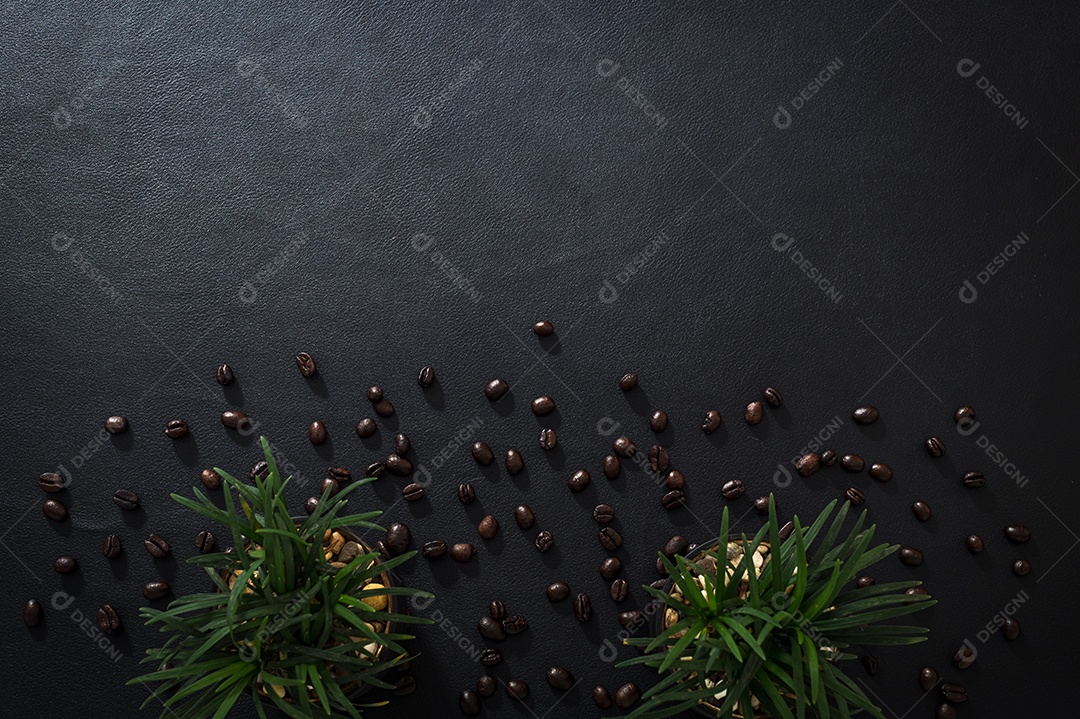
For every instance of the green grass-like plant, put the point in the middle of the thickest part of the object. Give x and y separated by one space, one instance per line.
286 616
776 636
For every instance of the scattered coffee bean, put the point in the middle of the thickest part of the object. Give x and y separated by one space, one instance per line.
404 685
675 480
619 590
558 591
711 423
865 581
870 663
366 428
488 528
32 613
954 693
65 565
224 375
603 513
673 500
945 711
426 378
610 568
413 492
808 464
496 388
543 328
155 590
397 465
51 482
375 469
497 610
55 510
117 424
964 657
156 546
865 415
935 447
204 542
921 510
661 568
401 444
398 538
582 608
773 397
612 466
548 439
754 413
462 551
210 479
515 624
676 545
316 432
829 457
628 382
658 421
543 405
659 460
855 496
578 481
514 462
610 539
627 695
928 678
601 696
517 689
306 364
384 408
916 590
544 541
340 474
434 549
486 684
466 493
491 657
911 556
630 619
524 516
761 505
380 548
469 703
108 619
1010 628
963 413
560 678
125 499
177 429
234 419
624 447
330 487
111 546
786 530
881 472
974 480
1021 567
733 489
1017 533
482 453
975 544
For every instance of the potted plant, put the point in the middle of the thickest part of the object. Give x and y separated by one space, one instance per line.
298 618
757 627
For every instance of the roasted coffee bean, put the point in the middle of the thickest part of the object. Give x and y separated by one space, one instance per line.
601 696
676 545
111 546
341 474
544 541
426 378
375 469
881 472
366 428
974 480
306 364
963 413
412 492
954 693
224 375
865 415
975 544
630 619
658 421
155 590
543 405
1010 628
935 447
761 505
404 685
628 382
515 624
383 408
210 479
125 499
51 482
829 457
482 453
619 590
624 447
560 678
673 500
488 528
434 549
497 610
397 465
675 480
578 481
524 516
156 546
864 582
491 657
462 551
398 538
612 466
945 711
808 464
466 493
870 663
108 620
469 703
921 510
514 462
582 608
316 432
964 657
496 388
177 429
911 556
204 542
65 565
330 487
54 509
234 419
754 412
517 689
259 470
852 462
558 591
543 328
711 423
733 489
928 678
660 568
786 530
31 613
603 513
1021 567
610 539
486 684
610 568
855 496
401 444
374 393
659 460
773 397
548 439
1017 533
117 424
627 695
916 590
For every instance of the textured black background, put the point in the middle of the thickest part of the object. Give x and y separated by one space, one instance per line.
155 160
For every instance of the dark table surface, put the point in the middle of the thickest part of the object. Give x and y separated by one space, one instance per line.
717 196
